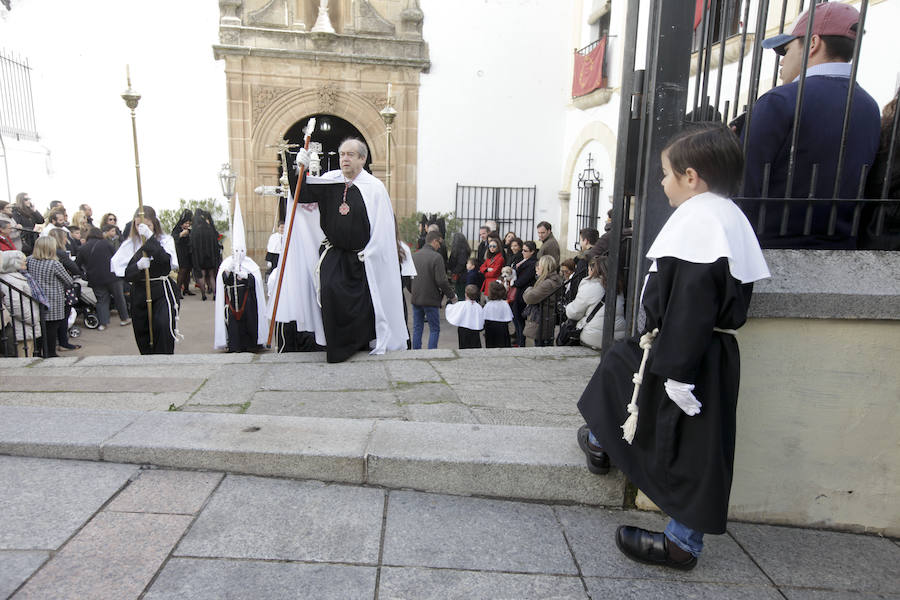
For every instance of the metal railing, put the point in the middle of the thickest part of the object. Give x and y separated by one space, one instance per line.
511 207
22 319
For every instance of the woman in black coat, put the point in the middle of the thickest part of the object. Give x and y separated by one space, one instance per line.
181 234
93 257
205 251
525 278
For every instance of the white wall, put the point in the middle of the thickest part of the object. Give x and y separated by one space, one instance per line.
490 109
78 53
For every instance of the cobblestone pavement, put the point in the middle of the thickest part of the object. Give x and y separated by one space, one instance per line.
73 529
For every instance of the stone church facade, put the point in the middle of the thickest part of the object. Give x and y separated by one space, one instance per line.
287 60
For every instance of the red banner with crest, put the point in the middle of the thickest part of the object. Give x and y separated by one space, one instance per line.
589 75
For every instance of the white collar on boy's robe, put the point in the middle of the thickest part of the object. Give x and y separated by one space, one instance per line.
498 310
706 228
466 313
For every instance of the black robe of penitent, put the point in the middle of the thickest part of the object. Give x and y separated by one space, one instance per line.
684 464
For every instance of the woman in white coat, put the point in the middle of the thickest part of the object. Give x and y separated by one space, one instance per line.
591 291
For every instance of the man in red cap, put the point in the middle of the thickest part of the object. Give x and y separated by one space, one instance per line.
829 48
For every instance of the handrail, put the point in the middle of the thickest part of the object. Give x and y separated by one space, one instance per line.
9 294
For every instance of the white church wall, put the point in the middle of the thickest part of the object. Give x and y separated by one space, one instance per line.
491 107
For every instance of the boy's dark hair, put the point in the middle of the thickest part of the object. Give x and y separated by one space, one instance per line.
95 234
713 151
473 293
590 234
496 291
470 260
433 235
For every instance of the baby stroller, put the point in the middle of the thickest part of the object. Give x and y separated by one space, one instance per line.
85 307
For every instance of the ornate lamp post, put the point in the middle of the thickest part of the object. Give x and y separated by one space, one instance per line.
388 114
131 99
227 177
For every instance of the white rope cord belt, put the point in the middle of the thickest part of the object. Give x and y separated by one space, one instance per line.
169 293
317 282
629 427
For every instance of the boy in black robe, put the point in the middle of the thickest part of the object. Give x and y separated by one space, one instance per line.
679 440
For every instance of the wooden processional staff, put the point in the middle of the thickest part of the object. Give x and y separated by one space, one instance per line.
131 99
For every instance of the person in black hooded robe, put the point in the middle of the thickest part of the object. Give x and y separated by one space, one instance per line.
205 251
181 234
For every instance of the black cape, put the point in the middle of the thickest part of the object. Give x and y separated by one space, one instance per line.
684 464
348 316
205 250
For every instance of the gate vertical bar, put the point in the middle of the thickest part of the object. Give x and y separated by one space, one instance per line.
668 71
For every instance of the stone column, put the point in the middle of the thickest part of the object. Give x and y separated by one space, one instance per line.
563 238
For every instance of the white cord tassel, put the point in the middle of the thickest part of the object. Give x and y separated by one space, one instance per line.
630 426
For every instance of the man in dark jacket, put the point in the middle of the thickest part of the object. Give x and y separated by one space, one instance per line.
94 257
428 286
549 245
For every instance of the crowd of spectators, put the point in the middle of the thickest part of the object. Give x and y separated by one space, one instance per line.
56 264
542 295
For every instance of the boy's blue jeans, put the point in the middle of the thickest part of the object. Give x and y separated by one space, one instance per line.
681 535
432 314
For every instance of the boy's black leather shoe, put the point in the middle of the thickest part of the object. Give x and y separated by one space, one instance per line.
649 547
597 460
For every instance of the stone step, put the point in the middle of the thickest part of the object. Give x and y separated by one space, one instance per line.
507 461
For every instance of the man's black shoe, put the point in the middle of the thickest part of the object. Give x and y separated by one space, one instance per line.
649 547
597 460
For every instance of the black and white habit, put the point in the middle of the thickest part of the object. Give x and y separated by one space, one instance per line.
160 249
705 260
345 290
240 323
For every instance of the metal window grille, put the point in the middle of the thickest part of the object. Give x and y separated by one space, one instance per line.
16 102
590 185
511 207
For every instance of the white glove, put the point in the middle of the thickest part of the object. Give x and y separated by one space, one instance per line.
144 231
302 159
143 263
682 394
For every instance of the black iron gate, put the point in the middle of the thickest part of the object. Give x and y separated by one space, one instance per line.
660 100
511 207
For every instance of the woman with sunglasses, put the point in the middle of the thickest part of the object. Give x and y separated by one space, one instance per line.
493 263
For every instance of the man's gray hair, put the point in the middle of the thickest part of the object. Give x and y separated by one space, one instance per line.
360 146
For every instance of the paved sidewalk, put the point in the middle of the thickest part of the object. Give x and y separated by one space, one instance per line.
74 529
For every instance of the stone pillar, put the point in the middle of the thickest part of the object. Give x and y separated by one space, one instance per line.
563 237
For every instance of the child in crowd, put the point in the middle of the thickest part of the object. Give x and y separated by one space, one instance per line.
468 317
497 315
473 276
704 262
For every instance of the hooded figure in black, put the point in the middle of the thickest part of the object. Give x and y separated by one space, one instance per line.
181 234
205 251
